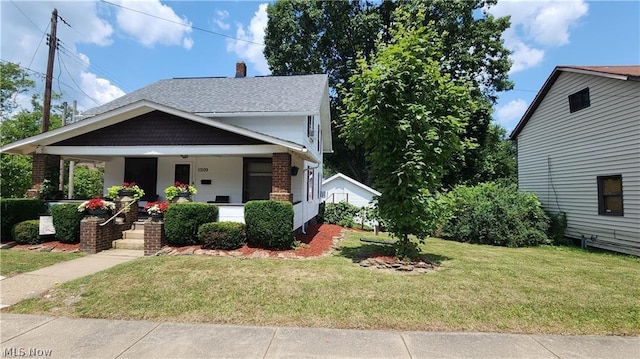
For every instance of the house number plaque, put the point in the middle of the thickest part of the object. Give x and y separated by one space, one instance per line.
203 169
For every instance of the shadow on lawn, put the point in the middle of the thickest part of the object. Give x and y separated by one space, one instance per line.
370 250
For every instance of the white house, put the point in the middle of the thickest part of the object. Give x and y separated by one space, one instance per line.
579 150
339 187
235 139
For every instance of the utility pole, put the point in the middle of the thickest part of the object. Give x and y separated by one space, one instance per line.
53 44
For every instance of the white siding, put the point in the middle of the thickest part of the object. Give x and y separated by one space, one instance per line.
339 189
561 154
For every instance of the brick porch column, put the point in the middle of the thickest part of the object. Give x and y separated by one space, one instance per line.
44 167
281 178
95 238
154 237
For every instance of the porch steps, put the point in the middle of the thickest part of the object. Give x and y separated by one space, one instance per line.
132 238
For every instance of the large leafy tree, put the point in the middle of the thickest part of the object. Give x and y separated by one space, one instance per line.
13 80
409 117
326 36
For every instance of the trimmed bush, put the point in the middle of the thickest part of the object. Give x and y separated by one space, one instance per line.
16 210
221 235
66 221
269 224
182 220
495 214
340 213
27 232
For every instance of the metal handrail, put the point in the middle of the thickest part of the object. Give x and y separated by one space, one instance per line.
120 211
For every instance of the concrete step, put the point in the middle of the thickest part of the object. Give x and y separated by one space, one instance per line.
137 244
133 234
139 225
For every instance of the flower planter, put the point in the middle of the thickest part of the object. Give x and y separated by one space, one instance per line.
97 212
156 217
125 193
184 194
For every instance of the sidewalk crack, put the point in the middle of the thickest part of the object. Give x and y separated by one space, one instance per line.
270 341
405 345
137 341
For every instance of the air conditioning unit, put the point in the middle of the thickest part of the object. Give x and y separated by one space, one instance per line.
312 133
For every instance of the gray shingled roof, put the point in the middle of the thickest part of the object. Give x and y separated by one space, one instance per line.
230 95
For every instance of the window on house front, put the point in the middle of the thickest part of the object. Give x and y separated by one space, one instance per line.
257 179
610 195
579 100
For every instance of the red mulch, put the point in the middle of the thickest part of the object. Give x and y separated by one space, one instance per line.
57 246
318 240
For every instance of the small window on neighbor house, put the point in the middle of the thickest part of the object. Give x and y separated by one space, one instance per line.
310 182
610 195
579 100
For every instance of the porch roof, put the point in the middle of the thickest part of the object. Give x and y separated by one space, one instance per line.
47 142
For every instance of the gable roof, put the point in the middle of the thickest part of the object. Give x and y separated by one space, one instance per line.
350 180
301 94
625 73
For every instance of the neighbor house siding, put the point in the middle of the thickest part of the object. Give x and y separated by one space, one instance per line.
561 154
339 189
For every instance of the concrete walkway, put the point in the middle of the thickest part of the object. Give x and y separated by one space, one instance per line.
31 284
57 337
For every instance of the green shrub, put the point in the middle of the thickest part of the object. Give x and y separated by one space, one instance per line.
269 224
66 221
182 220
495 214
27 232
320 215
557 227
16 210
340 213
221 235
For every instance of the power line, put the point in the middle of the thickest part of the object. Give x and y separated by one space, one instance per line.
75 83
25 15
182 24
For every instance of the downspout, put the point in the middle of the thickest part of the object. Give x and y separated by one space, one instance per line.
307 193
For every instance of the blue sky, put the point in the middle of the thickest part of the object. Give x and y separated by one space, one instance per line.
110 50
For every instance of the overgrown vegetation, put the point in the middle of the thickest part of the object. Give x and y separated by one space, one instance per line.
495 214
15 210
557 227
269 224
552 290
222 235
182 220
27 232
66 221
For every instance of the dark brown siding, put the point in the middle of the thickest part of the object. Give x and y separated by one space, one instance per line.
158 129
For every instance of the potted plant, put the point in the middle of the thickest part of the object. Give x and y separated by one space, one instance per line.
156 209
126 189
179 190
96 207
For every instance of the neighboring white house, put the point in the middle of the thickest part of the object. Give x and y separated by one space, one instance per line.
578 149
239 138
339 187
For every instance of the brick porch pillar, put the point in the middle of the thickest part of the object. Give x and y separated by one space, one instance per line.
95 238
154 237
281 178
43 167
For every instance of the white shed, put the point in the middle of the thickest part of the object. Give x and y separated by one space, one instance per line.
579 151
340 188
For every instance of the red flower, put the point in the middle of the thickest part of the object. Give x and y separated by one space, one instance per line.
126 184
95 203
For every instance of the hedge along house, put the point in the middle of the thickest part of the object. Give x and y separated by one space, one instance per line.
235 139
579 151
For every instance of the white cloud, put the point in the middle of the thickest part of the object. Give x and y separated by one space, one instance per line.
536 24
23 24
149 30
221 15
509 114
251 49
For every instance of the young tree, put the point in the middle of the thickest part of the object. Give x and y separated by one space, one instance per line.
410 118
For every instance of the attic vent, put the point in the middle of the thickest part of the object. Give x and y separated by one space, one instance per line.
579 100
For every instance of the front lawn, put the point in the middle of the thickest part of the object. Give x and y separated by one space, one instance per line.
13 261
476 288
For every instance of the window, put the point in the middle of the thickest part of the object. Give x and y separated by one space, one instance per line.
610 195
310 185
257 179
310 126
579 100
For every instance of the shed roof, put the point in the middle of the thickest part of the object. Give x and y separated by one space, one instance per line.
350 180
626 73
214 95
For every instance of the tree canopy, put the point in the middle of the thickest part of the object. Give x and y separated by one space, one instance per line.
409 118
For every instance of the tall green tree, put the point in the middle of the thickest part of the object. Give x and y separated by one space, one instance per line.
13 80
409 118
328 36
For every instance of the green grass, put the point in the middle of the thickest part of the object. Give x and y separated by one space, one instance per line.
14 262
476 288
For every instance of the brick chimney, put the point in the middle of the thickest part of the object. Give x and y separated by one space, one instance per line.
241 69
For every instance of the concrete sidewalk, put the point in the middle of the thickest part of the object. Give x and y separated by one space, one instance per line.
31 284
57 337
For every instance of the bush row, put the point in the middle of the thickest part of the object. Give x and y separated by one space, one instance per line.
16 210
